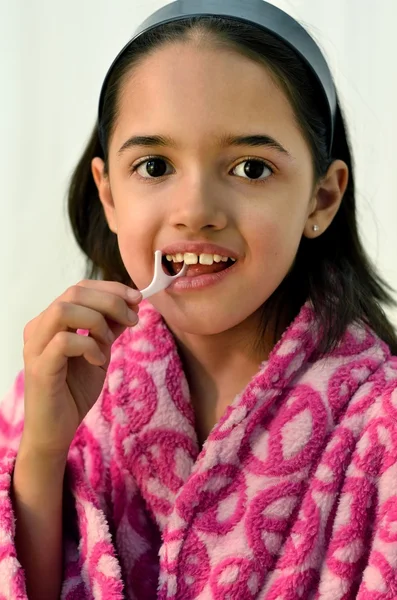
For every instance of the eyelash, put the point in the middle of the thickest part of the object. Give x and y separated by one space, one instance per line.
134 168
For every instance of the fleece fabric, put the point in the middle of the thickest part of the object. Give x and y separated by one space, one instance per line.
293 495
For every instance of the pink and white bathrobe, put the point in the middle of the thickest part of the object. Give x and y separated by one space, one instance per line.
293 496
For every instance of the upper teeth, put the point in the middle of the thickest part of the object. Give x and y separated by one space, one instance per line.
190 258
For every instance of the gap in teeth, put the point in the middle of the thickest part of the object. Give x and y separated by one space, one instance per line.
192 259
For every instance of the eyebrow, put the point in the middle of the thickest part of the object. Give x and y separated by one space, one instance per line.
241 140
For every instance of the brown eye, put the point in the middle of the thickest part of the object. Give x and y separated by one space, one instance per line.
253 169
151 168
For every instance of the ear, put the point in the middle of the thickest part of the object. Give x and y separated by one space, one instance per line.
105 193
327 199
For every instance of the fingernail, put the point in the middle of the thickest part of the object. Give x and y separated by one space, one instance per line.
134 295
110 337
132 316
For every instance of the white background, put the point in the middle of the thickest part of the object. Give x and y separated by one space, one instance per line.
53 57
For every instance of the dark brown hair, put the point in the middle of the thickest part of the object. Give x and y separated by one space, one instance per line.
332 270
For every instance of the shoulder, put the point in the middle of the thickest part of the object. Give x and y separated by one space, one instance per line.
362 364
376 405
387 396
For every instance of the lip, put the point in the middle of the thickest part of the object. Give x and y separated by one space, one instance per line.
198 282
199 248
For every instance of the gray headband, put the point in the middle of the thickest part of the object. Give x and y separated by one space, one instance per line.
258 13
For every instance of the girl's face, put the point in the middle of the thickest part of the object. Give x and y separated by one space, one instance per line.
250 199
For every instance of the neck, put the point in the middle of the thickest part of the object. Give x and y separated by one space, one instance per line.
216 353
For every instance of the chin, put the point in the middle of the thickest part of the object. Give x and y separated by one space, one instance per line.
200 319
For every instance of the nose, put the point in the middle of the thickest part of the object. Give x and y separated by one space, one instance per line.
197 207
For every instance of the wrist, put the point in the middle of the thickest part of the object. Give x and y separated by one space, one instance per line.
40 463
31 451
37 480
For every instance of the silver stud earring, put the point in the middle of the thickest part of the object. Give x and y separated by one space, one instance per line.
316 228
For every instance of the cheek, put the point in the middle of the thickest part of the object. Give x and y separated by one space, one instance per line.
135 241
274 238
129 256
272 245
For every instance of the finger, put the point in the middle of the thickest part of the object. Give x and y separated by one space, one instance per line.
129 294
30 328
32 325
65 345
104 299
109 304
65 316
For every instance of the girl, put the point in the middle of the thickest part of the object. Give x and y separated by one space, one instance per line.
239 439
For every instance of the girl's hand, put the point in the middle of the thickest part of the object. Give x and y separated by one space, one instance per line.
65 371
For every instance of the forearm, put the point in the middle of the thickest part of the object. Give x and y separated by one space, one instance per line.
37 499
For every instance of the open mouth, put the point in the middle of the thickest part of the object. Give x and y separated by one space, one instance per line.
202 264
